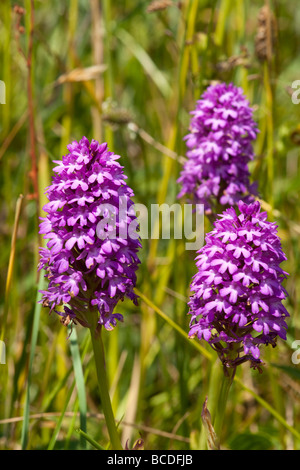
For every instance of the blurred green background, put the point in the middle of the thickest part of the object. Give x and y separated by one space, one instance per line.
129 73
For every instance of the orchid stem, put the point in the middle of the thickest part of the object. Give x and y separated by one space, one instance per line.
222 402
99 355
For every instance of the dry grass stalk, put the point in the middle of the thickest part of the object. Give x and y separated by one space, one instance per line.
266 34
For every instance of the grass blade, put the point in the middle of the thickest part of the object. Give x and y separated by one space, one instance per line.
79 379
11 263
35 330
145 60
89 439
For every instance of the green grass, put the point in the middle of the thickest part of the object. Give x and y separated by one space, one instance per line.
157 65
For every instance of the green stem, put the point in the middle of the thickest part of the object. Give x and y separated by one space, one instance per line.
99 356
222 402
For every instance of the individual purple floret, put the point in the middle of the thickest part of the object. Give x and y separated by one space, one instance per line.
219 149
91 256
236 304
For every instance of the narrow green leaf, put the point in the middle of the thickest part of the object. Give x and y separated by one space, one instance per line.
35 330
145 60
79 379
89 439
59 423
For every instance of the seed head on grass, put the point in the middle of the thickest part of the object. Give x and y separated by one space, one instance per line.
236 304
219 149
91 255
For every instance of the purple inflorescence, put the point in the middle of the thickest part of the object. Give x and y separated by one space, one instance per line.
237 297
219 149
91 255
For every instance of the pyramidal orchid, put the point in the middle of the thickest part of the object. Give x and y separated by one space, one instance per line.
219 145
237 294
237 301
91 257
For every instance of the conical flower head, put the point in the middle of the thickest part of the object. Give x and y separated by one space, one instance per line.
219 149
91 254
237 297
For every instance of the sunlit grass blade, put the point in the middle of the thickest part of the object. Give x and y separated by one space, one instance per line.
145 60
11 264
34 337
269 408
79 378
174 325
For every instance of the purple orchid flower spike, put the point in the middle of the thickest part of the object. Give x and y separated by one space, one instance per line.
236 305
89 264
219 149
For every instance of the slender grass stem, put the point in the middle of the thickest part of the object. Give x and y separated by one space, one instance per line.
270 132
223 17
108 79
31 106
11 263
